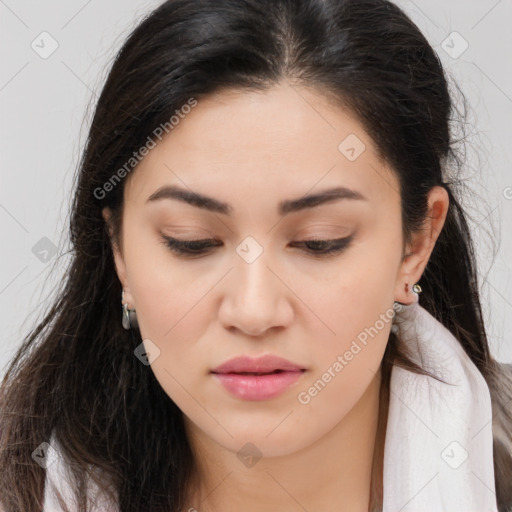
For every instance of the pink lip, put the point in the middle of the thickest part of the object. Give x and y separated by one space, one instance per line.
263 364
276 375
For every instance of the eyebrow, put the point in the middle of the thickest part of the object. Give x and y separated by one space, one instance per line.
284 207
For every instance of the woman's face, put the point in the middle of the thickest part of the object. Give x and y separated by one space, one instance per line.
261 157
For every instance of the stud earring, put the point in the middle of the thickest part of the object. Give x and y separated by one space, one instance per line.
415 288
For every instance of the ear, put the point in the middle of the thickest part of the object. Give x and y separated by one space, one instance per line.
118 259
419 250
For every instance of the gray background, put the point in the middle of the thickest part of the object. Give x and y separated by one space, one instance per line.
46 104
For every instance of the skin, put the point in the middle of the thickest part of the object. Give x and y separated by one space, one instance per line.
253 150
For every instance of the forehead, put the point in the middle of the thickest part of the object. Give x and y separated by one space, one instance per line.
281 142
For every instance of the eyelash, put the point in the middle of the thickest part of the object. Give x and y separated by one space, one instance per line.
191 248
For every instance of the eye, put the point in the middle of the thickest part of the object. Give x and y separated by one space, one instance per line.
190 247
325 247
315 247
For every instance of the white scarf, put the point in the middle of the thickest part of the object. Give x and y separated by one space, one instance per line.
438 451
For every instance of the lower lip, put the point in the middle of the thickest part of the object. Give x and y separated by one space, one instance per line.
258 387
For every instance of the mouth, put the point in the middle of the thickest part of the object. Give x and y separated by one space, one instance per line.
257 378
256 373
258 386
264 364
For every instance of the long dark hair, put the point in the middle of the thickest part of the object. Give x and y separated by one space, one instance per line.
75 375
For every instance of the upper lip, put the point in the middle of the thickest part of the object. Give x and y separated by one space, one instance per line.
263 364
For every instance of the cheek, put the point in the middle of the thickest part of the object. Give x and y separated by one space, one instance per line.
173 319
175 323
164 289
353 296
356 308
336 389
346 363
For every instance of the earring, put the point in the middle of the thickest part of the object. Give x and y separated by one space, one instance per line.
129 317
417 288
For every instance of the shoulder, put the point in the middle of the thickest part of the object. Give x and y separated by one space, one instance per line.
507 368
59 495
504 374
502 433
58 483
501 386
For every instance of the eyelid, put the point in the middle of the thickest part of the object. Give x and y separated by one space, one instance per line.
202 247
186 231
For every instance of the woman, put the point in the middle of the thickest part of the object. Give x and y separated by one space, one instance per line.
264 185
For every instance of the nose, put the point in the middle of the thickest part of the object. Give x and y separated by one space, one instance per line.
255 299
